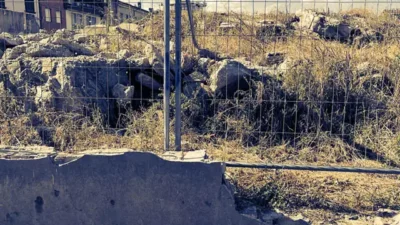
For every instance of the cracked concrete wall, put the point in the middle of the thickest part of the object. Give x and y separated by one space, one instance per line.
129 189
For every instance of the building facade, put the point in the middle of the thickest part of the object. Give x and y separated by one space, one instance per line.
24 6
194 6
125 11
52 14
28 9
79 15
70 14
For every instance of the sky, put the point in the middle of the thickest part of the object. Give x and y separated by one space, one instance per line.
262 6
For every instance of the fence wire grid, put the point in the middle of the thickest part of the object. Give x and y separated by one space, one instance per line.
288 81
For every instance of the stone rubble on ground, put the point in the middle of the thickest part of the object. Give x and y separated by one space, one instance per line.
35 37
141 63
273 217
8 40
229 76
81 38
147 81
63 66
123 54
13 53
123 93
75 48
334 29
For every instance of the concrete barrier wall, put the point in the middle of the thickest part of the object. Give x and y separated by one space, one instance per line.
16 22
11 22
129 189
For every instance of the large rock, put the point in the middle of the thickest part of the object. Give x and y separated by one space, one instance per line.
28 77
64 33
71 84
202 64
21 77
153 54
123 54
8 40
107 55
81 38
158 68
129 27
90 81
49 96
271 32
366 38
123 93
35 37
229 77
325 27
49 66
276 69
335 31
13 53
104 44
188 63
156 60
48 50
25 72
139 63
310 20
147 81
192 86
73 47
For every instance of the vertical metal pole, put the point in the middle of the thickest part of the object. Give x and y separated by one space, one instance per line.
166 74
178 14
108 19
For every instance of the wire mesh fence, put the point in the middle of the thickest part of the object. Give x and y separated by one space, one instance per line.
295 85
289 81
274 82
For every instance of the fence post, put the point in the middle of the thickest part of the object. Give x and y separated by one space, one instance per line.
166 74
178 14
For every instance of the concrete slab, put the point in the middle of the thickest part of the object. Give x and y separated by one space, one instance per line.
192 156
25 152
130 27
132 188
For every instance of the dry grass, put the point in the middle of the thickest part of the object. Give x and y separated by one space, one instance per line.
318 190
